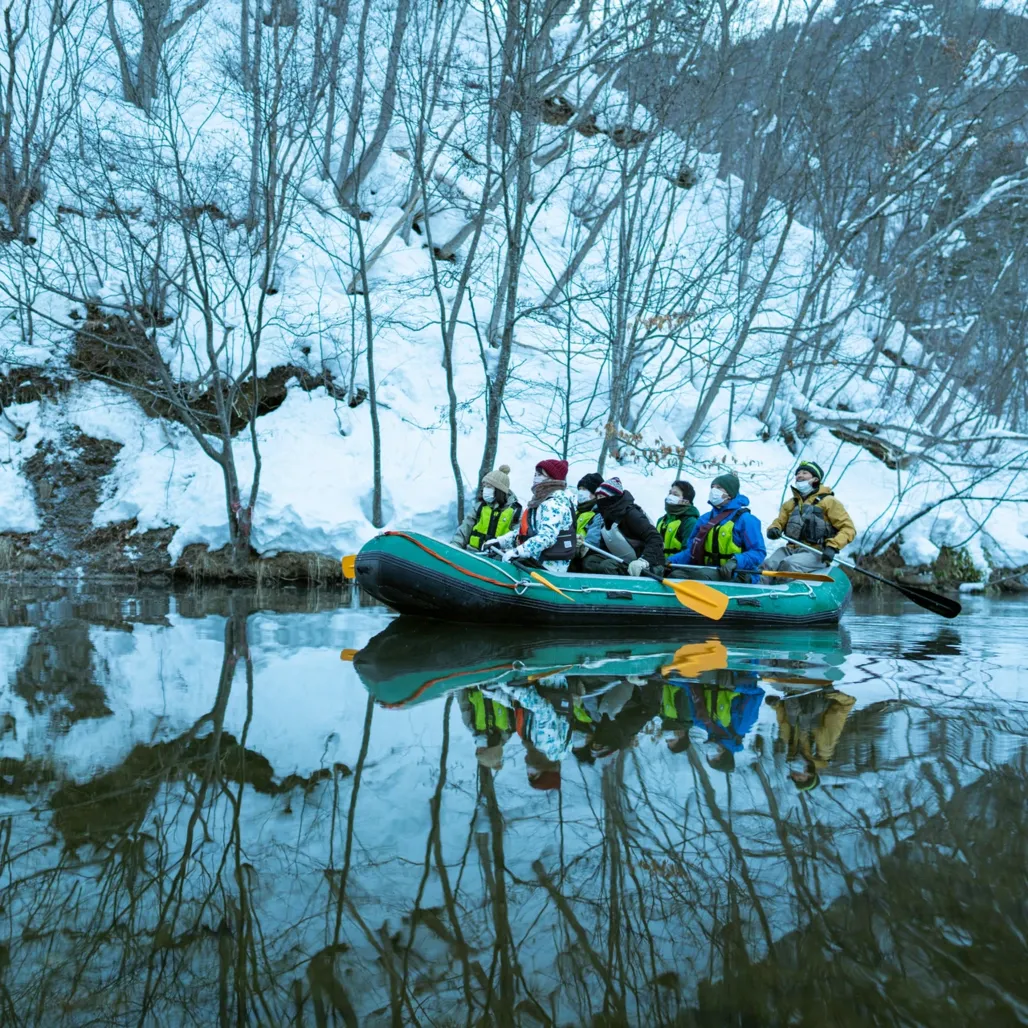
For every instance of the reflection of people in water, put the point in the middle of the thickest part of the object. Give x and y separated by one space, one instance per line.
725 704
810 727
546 729
490 723
676 715
616 716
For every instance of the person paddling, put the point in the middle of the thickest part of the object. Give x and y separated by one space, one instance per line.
627 532
812 515
546 533
679 518
727 538
497 512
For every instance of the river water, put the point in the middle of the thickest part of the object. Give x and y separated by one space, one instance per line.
289 808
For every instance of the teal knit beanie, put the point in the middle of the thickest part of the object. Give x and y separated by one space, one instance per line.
729 483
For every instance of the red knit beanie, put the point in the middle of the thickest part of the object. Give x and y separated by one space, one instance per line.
553 468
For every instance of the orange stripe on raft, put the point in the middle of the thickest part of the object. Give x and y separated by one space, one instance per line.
456 567
444 678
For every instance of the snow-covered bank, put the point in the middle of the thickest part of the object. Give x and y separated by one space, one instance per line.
677 366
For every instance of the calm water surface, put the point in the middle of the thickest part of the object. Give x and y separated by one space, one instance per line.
281 809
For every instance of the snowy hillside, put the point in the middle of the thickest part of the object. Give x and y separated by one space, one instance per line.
312 270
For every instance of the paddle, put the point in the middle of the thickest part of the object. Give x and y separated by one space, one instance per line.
542 581
695 595
693 659
349 562
937 604
801 576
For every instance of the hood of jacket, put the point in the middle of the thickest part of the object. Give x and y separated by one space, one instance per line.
822 490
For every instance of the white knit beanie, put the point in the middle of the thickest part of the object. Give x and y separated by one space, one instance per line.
499 479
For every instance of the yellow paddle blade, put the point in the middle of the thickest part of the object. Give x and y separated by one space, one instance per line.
549 585
802 576
348 566
348 654
694 658
699 597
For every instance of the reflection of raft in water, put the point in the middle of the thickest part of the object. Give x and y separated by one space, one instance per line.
414 574
416 660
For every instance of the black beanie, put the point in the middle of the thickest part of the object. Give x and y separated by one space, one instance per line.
592 481
814 469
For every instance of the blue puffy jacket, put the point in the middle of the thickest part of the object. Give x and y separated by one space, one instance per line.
746 696
747 534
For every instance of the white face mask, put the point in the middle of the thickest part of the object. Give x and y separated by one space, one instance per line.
673 501
717 497
539 477
488 494
584 496
804 488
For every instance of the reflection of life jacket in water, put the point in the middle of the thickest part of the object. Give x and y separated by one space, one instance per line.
675 709
486 717
810 726
727 708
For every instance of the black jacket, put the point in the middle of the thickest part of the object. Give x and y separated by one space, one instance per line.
625 514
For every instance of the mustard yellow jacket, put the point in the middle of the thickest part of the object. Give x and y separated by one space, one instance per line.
835 514
815 732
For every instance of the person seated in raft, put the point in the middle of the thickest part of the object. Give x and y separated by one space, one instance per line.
727 538
813 515
627 532
809 728
496 512
589 528
546 533
680 516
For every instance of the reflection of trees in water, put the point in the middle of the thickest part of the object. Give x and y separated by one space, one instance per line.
165 902
61 674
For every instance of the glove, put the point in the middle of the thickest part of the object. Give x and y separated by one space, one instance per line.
828 554
511 555
490 544
774 533
580 550
637 567
727 569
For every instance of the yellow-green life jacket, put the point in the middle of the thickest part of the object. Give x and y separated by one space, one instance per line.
721 708
582 523
491 523
488 715
669 707
668 528
719 545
